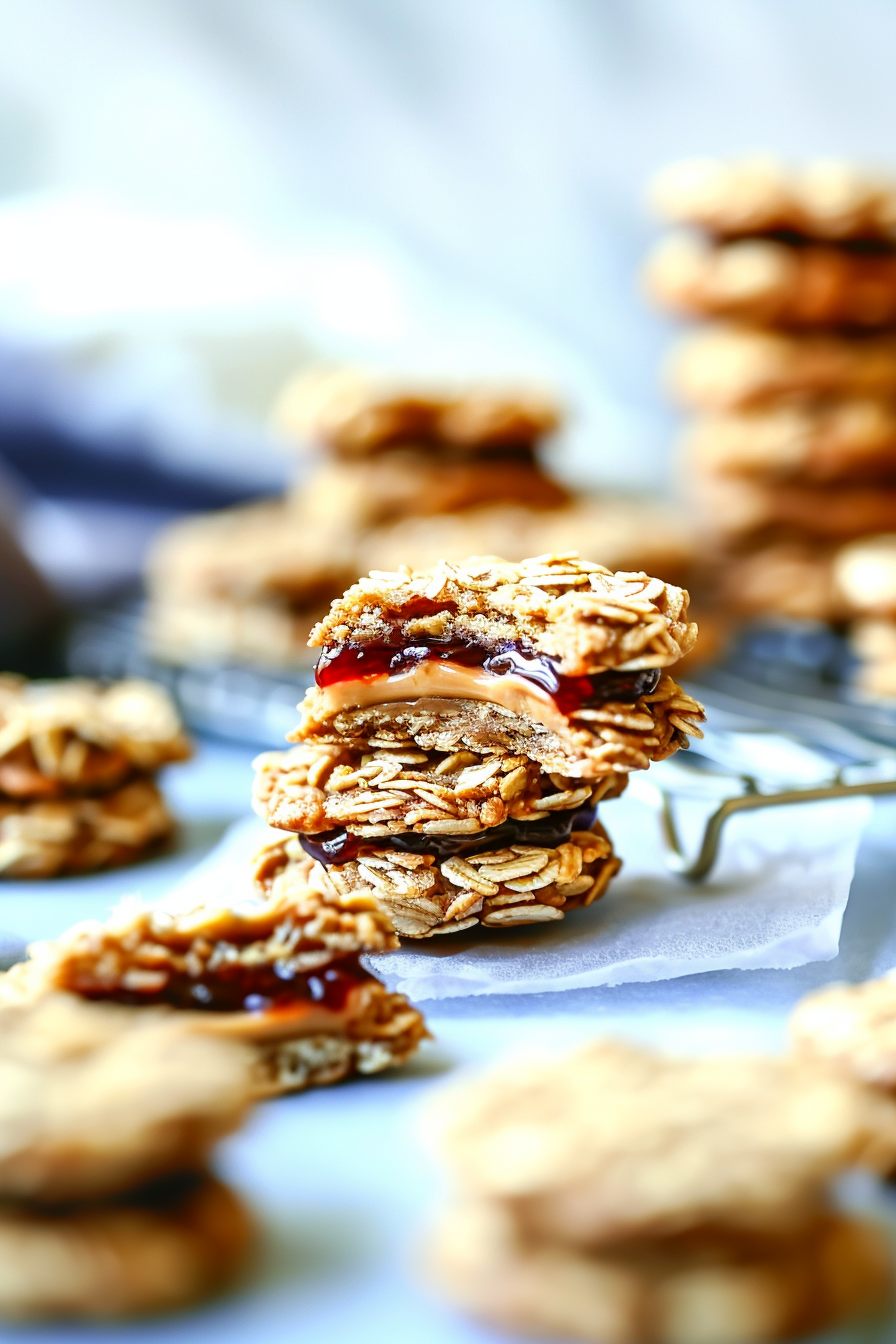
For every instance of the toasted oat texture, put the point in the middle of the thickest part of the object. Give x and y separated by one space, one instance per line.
164 1248
412 482
740 510
865 575
267 633
827 199
97 1098
317 787
725 367
614 1142
851 440
577 612
500 888
623 532
355 414
791 579
184 952
251 552
707 1289
853 1027
773 283
82 835
609 740
64 738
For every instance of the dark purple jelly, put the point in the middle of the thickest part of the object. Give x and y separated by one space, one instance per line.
341 846
354 662
260 989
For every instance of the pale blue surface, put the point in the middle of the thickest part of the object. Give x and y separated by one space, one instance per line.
338 1178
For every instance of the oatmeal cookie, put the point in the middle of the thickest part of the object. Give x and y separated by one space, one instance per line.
721 368
790 578
98 1098
852 1027
771 282
354 414
626 532
742 511
817 442
280 971
412 482
159 1249
318 787
255 551
827 199
615 1142
425 893
687 1290
82 835
60 739
264 633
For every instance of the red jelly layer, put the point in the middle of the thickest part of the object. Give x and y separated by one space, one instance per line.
355 662
262 989
341 846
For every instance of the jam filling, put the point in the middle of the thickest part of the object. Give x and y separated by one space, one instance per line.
261 989
341 846
356 662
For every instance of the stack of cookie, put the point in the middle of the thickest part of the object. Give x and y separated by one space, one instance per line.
792 448
465 723
77 774
398 473
107 1124
621 1196
272 964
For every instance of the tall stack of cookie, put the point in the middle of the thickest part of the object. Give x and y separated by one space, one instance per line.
108 1120
398 473
465 723
621 1196
791 450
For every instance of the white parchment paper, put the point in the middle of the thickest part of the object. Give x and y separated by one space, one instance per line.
775 900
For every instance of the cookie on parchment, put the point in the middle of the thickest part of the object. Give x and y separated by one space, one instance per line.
158 1249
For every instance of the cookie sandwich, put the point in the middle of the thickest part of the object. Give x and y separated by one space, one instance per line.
465 722
78 762
278 972
621 1196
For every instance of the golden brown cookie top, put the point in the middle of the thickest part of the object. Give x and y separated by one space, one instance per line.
570 609
97 1098
209 953
853 1027
616 1141
84 735
827 199
255 550
355 414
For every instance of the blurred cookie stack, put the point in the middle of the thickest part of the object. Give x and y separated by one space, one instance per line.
791 448
77 774
396 473
108 1120
619 1195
